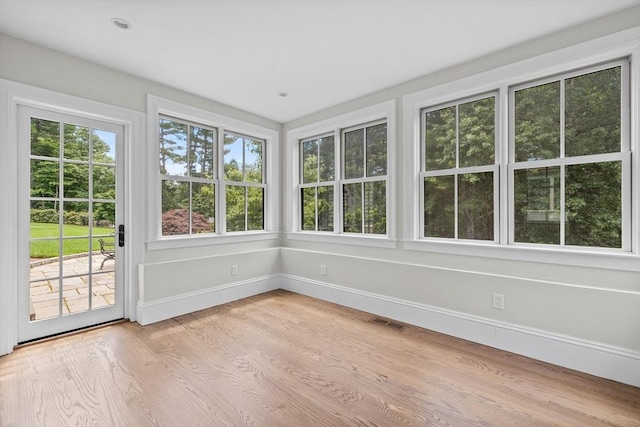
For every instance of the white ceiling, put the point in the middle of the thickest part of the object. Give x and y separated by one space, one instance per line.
244 53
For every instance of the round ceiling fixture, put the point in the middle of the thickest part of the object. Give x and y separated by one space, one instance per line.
120 23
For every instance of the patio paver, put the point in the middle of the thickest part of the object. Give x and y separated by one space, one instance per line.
44 288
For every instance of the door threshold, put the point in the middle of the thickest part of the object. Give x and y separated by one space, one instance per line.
68 333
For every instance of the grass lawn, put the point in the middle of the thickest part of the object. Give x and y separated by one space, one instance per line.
50 248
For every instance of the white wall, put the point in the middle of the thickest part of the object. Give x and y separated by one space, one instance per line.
597 307
572 309
34 65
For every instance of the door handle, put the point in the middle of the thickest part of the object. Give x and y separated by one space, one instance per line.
121 235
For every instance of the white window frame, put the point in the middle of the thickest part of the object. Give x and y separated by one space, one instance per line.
317 184
457 170
361 180
625 44
623 155
194 180
245 184
378 113
158 107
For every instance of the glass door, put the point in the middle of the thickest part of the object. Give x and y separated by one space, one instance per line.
69 223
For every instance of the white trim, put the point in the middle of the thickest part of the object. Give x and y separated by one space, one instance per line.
13 94
605 361
344 239
384 111
197 240
166 308
548 254
157 106
605 49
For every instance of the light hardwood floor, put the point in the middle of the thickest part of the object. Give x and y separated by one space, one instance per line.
282 359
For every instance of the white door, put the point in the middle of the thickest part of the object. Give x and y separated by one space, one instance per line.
70 229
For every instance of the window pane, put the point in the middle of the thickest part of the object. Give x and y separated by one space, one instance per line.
104 182
255 206
477 132
440 138
76 142
375 207
377 150
233 163
327 159
537 205
352 208
354 154
80 264
235 208
173 151
253 160
475 206
439 209
537 122
592 113
45 217
74 299
104 218
310 161
308 214
45 178
76 181
175 208
203 208
45 138
325 208
593 205
76 214
103 287
201 152
104 146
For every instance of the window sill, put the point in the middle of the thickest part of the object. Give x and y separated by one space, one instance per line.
607 259
194 241
344 239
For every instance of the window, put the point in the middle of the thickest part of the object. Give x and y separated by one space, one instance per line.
364 184
459 170
568 159
317 160
363 187
216 177
187 176
244 180
340 172
507 167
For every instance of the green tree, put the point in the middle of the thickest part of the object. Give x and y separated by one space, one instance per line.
592 192
463 135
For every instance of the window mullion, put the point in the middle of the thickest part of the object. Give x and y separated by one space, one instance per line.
246 208
315 198
362 205
456 175
563 166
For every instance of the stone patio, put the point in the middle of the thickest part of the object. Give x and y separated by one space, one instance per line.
45 285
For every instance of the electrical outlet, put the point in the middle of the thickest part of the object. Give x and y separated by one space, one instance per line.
234 270
498 301
323 270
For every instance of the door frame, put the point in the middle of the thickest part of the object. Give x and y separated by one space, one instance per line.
13 94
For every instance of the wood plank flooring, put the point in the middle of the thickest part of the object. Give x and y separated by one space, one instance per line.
282 359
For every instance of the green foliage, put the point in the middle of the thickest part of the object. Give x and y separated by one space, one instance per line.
77 142
592 193
472 124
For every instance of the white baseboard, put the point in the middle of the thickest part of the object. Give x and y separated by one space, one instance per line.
166 308
604 361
